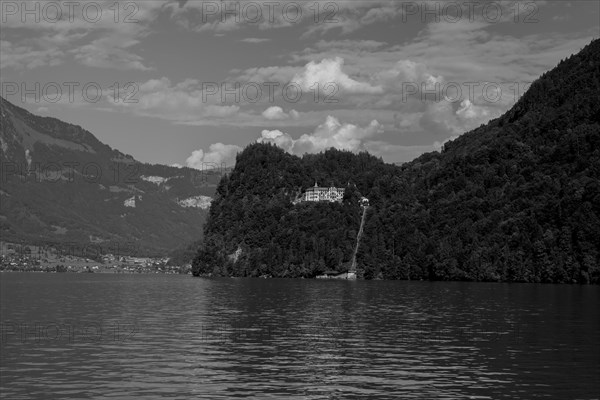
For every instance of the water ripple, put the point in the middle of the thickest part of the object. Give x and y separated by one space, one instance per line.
72 337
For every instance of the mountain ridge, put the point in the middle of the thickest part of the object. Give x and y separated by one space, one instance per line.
64 187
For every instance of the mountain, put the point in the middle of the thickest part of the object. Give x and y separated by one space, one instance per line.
62 187
516 200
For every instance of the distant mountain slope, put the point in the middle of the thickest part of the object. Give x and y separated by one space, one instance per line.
61 186
515 200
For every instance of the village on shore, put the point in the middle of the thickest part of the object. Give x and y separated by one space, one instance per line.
28 258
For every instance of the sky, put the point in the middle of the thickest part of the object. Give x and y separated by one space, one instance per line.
194 82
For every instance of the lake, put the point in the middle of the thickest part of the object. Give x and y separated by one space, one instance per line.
75 336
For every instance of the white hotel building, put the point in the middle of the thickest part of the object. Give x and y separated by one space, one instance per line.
323 194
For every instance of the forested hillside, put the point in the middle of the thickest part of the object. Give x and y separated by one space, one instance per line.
515 200
253 212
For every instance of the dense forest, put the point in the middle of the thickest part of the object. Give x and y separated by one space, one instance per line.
516 200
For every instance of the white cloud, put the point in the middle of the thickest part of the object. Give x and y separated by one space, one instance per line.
25 57
217 155
100 43
227 15
440 118
255 40
470 113
276 113
350 137
278 138
407 71
268 74
353 15
330 71
183 102
103 53
332 133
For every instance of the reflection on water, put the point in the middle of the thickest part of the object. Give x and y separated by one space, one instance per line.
90 336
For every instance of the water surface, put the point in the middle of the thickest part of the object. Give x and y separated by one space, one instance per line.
75 336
